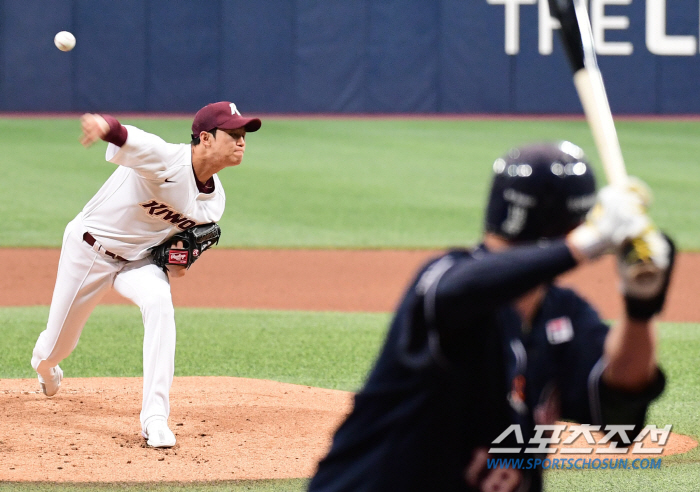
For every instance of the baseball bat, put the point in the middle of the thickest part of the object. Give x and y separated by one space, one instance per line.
577 38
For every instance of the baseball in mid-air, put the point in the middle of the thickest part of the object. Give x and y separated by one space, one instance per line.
64 41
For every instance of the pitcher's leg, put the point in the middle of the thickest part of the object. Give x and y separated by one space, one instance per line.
83 278
149 288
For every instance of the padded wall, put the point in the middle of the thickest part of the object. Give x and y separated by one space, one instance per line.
344 56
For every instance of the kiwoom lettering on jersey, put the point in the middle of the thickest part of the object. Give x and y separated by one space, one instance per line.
164 212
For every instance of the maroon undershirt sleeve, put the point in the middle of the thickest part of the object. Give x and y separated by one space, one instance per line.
117 132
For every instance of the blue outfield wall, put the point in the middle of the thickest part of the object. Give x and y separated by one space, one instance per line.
341 56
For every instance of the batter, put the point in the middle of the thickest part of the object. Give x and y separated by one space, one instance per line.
157 190
483 340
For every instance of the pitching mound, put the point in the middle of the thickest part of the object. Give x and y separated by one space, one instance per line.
226 428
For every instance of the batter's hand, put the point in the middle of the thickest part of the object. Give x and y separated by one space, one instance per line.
176 271
645 266
618 216
94 127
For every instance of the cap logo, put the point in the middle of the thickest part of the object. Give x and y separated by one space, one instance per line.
234 109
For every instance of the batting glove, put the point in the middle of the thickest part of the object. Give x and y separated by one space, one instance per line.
644 265
619 215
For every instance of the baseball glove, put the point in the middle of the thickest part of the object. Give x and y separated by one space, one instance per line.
195 241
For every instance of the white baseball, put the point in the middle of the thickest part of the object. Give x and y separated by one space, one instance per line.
64 41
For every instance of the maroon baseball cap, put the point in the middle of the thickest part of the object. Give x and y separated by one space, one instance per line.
224 115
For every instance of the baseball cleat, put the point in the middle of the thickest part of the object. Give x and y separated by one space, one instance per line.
159 435
52 384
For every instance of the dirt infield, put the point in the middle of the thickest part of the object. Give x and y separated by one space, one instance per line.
324 280
231 428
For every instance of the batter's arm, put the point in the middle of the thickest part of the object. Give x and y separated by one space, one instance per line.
630 346
492 279
630 349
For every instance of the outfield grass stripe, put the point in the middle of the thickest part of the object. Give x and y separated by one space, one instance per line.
324 349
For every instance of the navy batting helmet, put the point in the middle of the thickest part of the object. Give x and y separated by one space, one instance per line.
539 191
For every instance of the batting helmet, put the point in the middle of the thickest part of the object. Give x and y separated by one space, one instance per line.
539 191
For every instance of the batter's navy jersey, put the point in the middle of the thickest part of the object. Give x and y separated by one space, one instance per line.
458 367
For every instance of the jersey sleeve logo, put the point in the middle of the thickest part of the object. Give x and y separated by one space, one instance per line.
559 330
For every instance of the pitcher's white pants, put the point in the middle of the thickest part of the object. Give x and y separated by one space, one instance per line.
84 276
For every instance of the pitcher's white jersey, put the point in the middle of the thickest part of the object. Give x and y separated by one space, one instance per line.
151 196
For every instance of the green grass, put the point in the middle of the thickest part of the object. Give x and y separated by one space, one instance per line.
332 350
671 478
341 182
324 349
